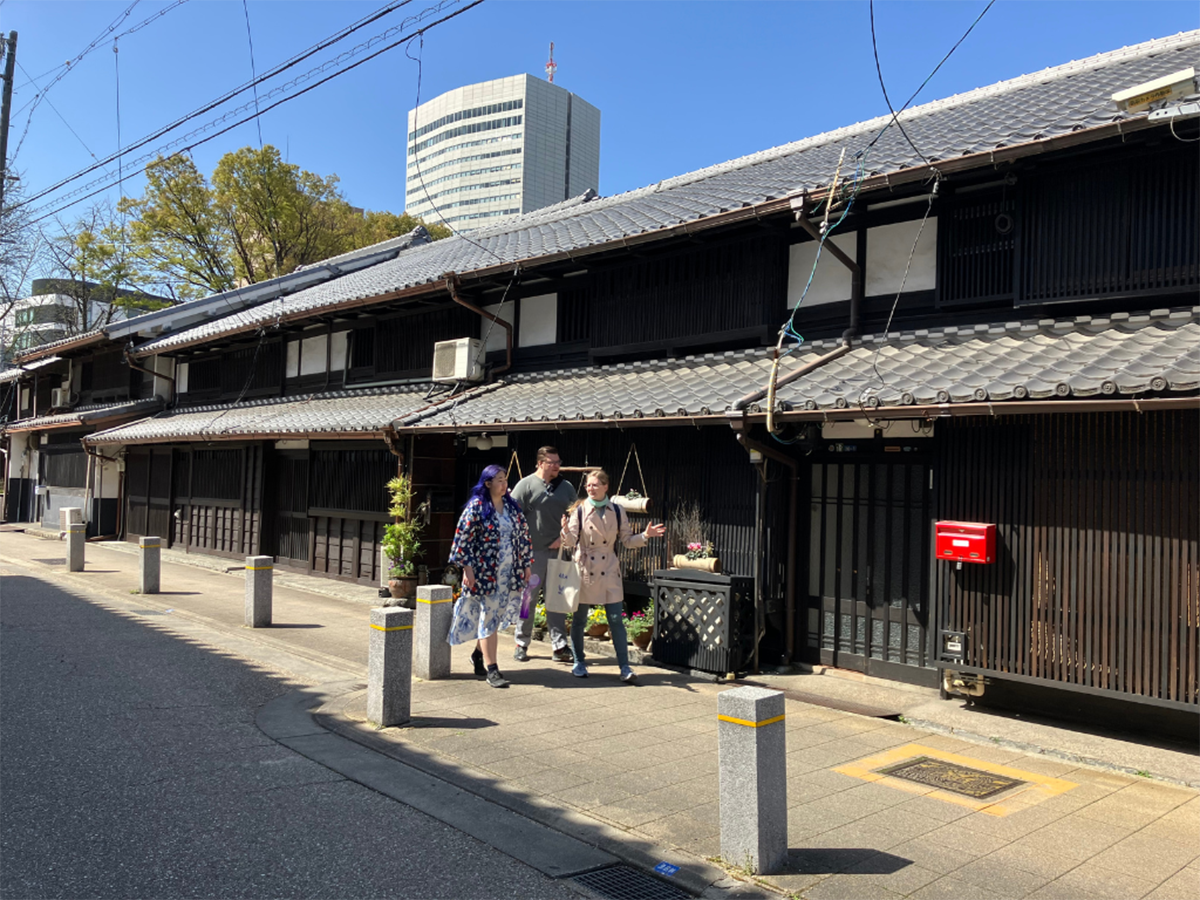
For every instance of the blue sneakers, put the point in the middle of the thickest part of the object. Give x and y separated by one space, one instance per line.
627 675
579 670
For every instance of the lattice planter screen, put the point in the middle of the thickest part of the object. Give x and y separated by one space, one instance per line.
703 621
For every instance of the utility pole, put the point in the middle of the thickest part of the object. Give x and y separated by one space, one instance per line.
10 60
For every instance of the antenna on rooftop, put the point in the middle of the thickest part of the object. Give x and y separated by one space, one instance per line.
551 66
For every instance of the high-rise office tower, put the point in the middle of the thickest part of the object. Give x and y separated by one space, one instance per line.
498 148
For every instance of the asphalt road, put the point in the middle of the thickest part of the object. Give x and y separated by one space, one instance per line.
130 766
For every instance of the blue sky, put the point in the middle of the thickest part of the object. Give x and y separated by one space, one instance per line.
680 85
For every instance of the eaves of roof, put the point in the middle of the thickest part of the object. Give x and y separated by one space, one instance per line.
66 345
87 415
15 373
1122 361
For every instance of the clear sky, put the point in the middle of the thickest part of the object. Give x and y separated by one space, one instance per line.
680 85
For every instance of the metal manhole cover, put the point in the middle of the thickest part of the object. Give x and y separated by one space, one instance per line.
963 780
624 883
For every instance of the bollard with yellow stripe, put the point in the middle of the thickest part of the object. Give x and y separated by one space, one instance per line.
431 651
260 570
389 666
752 768
150 564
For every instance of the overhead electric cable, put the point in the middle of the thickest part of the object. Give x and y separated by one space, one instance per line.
280 102
921 87
86 50
62 118
883 87
229 95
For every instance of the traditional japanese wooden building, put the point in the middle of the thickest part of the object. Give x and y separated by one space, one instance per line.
997 328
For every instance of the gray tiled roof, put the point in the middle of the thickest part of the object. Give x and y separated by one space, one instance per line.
82 415
42 349
1054 102
1117 357
16 372
349 411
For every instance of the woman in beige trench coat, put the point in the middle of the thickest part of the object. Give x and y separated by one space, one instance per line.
596 526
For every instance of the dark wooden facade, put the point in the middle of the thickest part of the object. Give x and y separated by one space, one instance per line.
1097 586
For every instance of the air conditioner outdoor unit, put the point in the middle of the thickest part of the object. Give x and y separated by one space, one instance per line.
60 397
457 360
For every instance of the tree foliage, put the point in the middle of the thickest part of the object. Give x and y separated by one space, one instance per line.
258 218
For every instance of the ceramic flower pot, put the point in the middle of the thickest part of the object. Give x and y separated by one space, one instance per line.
403 588
599 630
642 641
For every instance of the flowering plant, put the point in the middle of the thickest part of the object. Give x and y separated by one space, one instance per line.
597 616
699 550
539 616
638 624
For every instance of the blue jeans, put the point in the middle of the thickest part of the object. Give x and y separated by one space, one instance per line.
616 627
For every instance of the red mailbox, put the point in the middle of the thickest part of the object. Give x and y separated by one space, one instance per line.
973 542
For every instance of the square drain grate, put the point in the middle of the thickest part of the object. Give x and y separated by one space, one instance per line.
964 780
624 883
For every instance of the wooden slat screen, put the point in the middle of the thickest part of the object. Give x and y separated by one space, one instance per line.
1097 584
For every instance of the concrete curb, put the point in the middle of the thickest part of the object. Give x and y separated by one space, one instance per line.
306 722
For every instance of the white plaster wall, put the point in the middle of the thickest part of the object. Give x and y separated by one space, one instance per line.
539 320
337 354
831 283
292 369
181 377
495 340
888 247
107 476
312 355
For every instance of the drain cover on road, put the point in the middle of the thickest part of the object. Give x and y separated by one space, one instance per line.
624 883
950 777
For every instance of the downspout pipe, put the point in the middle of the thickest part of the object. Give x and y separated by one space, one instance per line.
452 287
97 455
755 396
739 426
171 378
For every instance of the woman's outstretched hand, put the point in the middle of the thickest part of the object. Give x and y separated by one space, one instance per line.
653 530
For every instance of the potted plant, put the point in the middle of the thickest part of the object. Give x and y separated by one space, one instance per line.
597 622
539 621
640 627
402 540
689 534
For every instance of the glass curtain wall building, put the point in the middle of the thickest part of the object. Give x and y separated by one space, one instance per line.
499 148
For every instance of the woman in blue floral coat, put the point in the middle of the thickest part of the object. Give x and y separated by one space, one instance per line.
492 546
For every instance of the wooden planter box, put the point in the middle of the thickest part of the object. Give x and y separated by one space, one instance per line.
703 621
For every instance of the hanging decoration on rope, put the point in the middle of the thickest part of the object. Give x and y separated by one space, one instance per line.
632 501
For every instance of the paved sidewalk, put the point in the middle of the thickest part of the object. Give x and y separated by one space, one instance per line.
634 767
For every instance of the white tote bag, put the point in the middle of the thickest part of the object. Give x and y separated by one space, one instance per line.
562 585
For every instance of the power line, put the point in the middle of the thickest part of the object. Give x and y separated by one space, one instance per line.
60 116
301 93
921 87
88 49
883 87
253 76
229 95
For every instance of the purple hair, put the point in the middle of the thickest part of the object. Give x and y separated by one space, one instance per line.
483 494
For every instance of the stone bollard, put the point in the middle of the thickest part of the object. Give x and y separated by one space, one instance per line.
150 564
389 666
71 520
431 650
259 572
752 761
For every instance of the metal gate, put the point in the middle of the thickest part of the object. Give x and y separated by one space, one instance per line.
868 606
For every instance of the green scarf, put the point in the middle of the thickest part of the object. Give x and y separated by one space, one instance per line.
598 504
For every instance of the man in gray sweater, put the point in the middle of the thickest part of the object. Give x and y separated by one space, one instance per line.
544 497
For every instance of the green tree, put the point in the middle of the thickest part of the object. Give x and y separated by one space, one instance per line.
260 217
93 264
177 231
